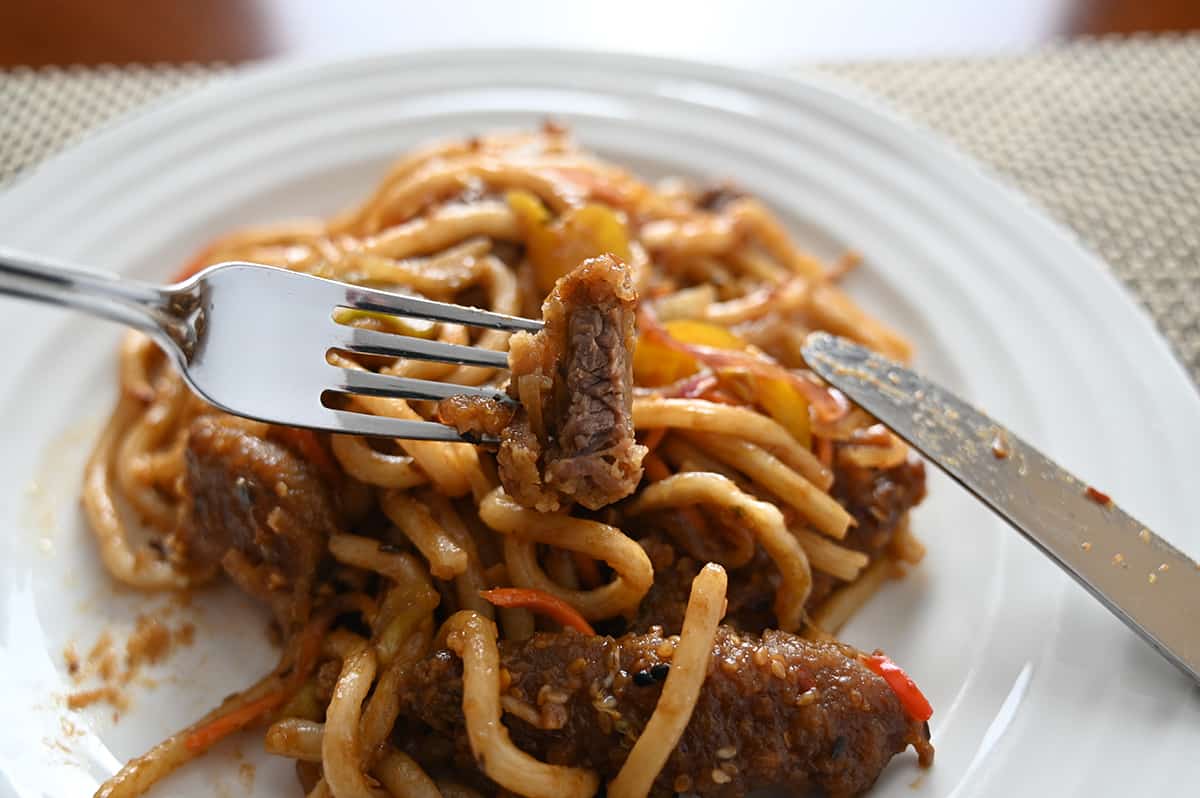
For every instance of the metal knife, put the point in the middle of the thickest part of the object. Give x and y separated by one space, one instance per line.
1144 580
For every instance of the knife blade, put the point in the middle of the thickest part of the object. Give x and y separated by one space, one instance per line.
1144 580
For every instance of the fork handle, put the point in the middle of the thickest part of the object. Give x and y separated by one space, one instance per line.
130 302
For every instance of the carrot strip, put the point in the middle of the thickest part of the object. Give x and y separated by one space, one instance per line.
541 602
915 704
219 728
308 649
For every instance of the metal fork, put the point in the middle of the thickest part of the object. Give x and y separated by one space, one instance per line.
253 339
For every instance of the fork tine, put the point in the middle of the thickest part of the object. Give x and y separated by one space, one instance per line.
373 384
357 339
347 421
385 302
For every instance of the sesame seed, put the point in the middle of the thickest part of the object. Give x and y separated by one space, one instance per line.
1163 567
726 752
760 657
1152 578
730 666
1086 545
505 679
778 670
807 697
1118 559
720 777
666 649
1144 536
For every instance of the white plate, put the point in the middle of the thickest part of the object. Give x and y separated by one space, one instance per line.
1035 686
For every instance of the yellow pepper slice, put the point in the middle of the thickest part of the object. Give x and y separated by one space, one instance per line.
555 246
529 209
704 333
656 364
786 405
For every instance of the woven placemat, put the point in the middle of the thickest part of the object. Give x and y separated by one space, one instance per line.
1104 134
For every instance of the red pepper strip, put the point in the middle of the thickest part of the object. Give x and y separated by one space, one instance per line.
911 698
540 602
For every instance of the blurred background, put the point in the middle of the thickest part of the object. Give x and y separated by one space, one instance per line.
48 32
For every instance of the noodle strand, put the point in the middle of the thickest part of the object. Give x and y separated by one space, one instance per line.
689 666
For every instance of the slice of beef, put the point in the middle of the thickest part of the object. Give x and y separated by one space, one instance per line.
572 438
259 511
878 500
774 711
